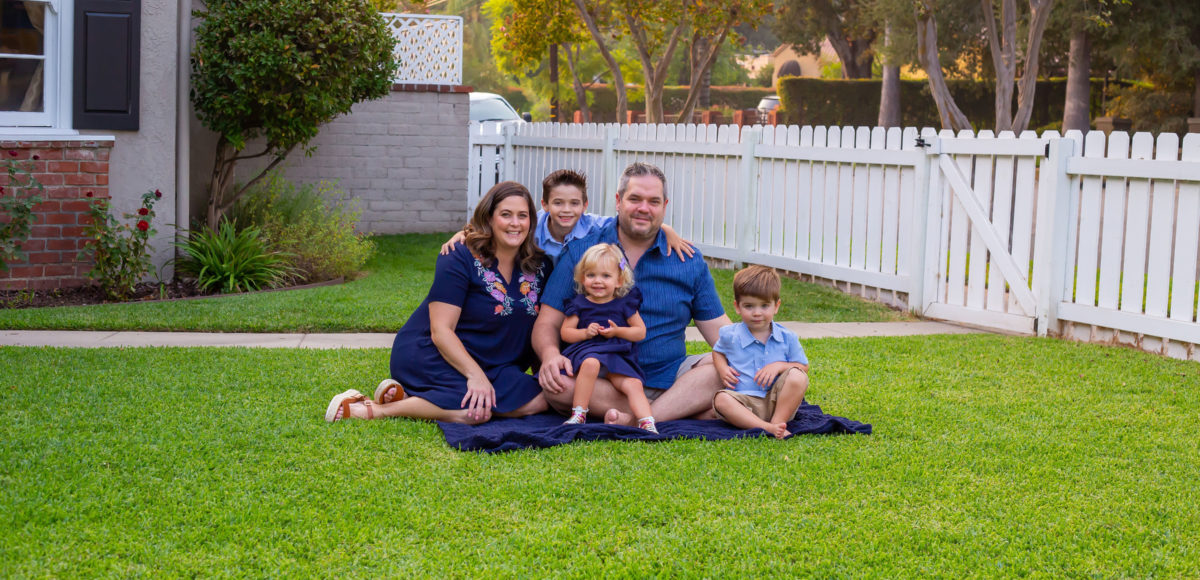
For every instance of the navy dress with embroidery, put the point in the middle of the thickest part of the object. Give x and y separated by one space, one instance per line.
495 327
616 355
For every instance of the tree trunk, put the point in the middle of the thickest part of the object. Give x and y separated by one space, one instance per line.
851 52
613 66
655 73
1002 43
693 97
889 92
223 165
576 82
1039 17
701 75
1077 111
927 52
889 97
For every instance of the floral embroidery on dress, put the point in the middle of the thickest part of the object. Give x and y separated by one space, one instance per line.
530 289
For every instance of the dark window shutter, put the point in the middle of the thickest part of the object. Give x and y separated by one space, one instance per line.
107 55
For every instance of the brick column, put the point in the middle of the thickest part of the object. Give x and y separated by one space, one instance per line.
73 173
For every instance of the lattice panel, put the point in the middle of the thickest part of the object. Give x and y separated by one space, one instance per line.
429 48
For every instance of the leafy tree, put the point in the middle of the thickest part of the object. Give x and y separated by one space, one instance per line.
974 18
1160 39
278 69
524 30
846 23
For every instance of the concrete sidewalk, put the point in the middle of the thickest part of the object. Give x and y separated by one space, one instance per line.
109 339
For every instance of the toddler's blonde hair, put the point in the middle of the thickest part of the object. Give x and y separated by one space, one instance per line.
604 254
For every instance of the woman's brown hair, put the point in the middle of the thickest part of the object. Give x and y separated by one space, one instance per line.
479 230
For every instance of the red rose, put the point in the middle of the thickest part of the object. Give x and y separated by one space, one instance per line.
12 152
157 193
143 225
35 157
143 211
89 194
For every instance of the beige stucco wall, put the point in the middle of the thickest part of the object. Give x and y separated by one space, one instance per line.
144 160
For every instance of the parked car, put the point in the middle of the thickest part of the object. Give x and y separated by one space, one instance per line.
493 107
766 105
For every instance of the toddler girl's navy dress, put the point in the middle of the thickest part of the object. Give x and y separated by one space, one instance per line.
495 326
616 355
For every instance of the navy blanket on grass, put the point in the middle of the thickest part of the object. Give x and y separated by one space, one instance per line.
547 430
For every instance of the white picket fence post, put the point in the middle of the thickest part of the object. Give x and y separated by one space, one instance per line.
1051 245
747 220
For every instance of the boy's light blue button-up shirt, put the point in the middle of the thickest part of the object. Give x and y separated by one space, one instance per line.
747 355
588 223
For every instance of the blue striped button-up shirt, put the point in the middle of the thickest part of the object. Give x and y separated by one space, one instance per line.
674 293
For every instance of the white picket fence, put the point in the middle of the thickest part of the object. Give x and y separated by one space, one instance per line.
1089 238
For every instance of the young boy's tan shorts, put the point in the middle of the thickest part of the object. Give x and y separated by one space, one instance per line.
762 407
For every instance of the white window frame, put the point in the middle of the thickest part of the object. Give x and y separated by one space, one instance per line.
58 45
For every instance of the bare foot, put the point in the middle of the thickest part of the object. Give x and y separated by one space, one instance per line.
465 419
389 390
779 430
615 417
357 411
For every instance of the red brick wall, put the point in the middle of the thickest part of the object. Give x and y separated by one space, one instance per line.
70 170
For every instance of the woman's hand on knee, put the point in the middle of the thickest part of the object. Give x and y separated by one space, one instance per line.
480 398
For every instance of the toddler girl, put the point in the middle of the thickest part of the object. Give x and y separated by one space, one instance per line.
601 326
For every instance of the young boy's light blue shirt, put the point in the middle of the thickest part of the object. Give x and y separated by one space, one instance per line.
747 355
588 223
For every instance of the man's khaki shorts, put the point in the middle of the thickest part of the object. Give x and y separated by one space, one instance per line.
688 364
762 407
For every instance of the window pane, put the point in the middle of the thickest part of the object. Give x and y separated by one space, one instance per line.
21 27
21 85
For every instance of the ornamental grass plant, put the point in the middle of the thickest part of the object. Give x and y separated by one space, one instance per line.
231 260
991 456
313 224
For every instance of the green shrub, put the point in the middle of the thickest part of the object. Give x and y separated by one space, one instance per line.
313 224
1150 109
604 102
229 260
812 101
120 252
279 69
765 76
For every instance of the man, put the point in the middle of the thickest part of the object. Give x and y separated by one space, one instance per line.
675 293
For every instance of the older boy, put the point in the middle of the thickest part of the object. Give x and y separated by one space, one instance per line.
564 218
761 364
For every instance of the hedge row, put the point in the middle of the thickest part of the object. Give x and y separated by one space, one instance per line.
810 101
604 100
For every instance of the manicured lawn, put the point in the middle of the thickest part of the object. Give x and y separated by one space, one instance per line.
992 456
400 275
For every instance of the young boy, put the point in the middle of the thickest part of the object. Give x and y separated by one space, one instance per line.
761 364
563 218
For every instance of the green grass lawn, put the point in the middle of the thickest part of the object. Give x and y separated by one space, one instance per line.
992 456
400 275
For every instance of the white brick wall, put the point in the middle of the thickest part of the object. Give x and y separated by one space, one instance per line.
404 157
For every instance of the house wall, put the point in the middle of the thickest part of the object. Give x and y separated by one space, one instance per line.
137 161
403 157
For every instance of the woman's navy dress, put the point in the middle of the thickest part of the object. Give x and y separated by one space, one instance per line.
495 326
616 355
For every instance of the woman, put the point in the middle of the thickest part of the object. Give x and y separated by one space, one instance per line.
462 355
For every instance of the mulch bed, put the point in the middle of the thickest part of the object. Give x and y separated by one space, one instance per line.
88 295
145 292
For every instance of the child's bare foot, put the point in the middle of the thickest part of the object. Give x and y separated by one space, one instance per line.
779 430
615 417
